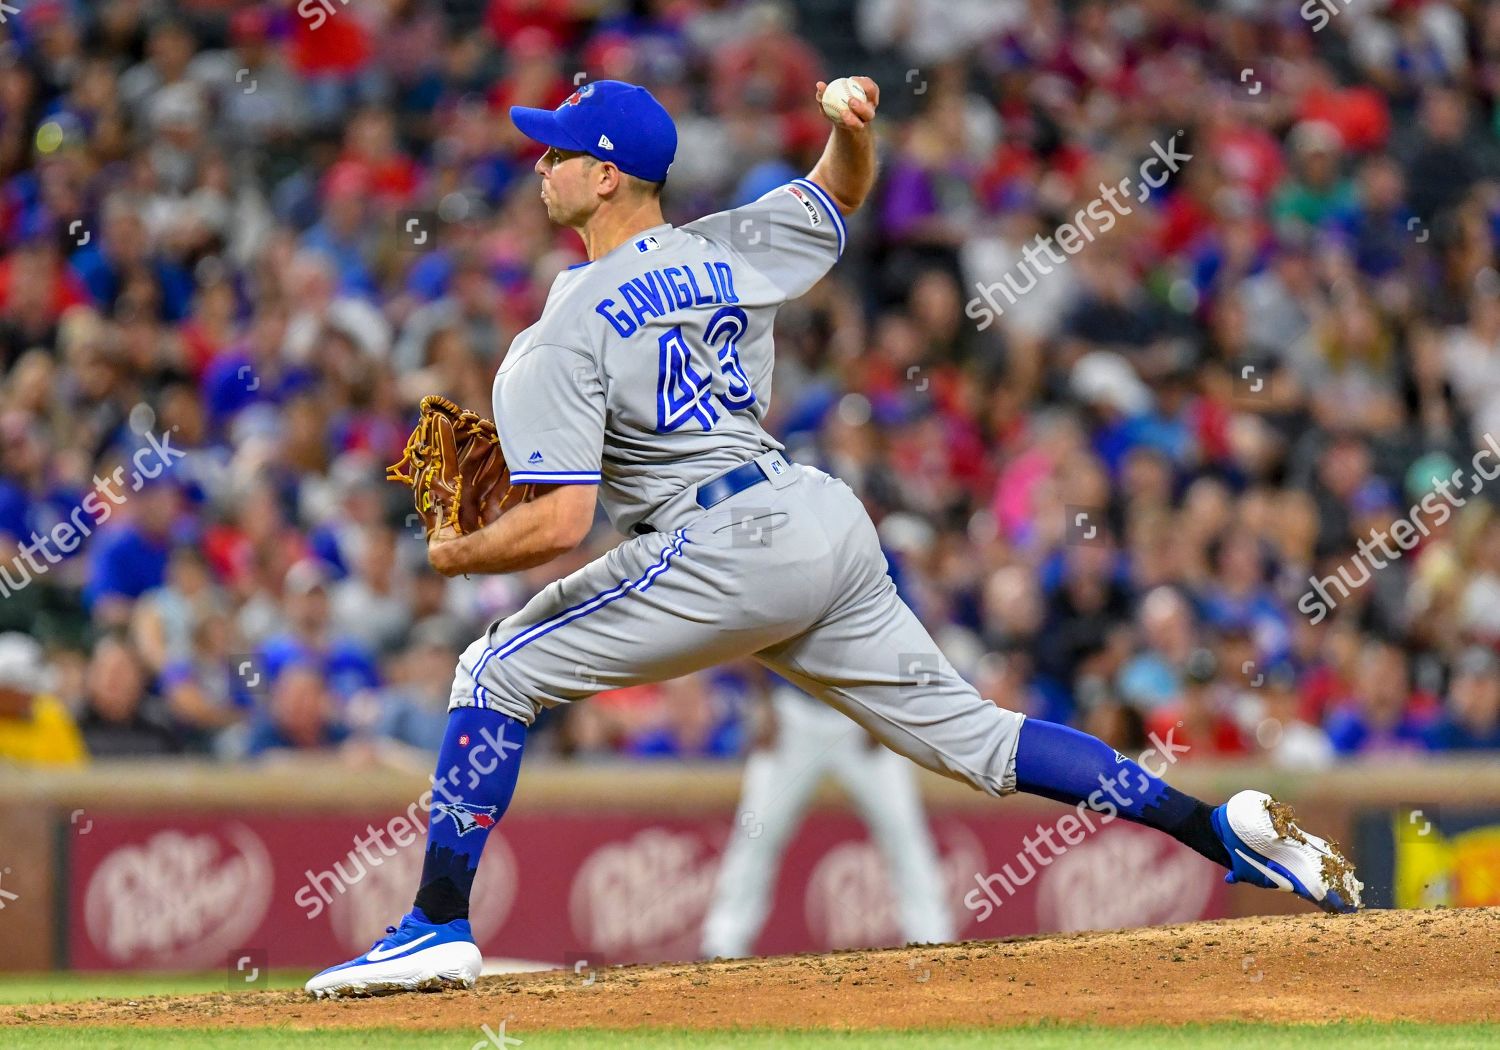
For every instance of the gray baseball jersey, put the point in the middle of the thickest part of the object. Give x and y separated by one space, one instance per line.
649 370
649 373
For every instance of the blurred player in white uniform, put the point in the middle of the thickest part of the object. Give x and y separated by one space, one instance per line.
809 741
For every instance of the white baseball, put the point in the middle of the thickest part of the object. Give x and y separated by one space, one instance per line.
836 97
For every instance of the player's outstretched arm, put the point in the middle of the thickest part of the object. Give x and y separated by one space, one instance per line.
557 520
847 168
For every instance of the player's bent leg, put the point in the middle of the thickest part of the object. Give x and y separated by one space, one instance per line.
870 658
1251 834
657 606
873 660
432 947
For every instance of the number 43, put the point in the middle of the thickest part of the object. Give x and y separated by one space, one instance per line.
682 392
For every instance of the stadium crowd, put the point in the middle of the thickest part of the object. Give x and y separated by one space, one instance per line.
1126 486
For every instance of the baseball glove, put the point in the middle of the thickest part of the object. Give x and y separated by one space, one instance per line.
455 469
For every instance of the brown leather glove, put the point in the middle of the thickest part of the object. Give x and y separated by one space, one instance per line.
456 470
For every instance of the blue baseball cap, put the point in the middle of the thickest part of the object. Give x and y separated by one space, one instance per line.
614 121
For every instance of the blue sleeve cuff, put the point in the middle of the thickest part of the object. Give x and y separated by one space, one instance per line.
832 209
556 477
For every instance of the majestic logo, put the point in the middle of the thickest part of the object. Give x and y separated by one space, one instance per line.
536 457
578 96
647 244
467 818
604 142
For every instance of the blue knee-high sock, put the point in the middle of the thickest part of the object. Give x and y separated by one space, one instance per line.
1068 766
476 775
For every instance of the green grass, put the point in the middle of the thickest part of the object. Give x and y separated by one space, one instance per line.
71 987
1359 1036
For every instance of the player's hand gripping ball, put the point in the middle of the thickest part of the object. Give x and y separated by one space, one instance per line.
849 101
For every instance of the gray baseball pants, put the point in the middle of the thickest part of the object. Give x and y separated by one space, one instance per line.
790 572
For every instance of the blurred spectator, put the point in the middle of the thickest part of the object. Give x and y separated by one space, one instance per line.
1471 720
299 716
414 705
1272 719
1238 374
372 605
210 686
692 718
1154 676
120 717
309 636
1382 715
131 558
1316 190
1203 719
35 726
167 618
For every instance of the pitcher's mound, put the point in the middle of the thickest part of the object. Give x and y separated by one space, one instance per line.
1381 965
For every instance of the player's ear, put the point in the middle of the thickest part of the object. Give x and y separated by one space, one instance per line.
607 179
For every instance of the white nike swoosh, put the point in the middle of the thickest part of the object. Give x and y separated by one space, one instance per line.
1276 877
381 954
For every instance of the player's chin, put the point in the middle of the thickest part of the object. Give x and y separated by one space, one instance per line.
560 215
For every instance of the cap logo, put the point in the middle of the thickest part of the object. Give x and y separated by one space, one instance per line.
604 142
578 96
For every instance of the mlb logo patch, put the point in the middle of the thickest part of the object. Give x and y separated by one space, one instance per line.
648 244
814 216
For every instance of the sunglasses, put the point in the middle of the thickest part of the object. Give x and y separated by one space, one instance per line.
554 156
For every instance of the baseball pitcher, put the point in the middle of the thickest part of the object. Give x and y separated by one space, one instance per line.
643 386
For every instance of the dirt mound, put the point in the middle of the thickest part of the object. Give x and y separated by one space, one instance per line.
1381 965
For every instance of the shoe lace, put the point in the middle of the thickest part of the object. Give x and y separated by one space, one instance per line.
388 931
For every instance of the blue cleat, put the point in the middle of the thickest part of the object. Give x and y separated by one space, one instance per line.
416 956
1269 850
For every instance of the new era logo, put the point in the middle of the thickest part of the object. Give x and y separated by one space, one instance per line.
536 457
604 142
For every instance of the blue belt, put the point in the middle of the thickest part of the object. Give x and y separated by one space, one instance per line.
712 493
742 477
